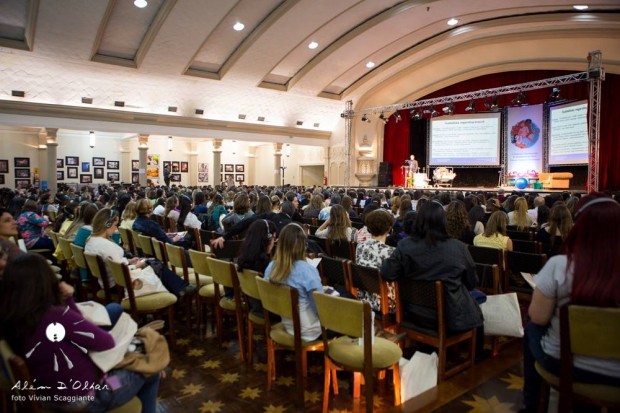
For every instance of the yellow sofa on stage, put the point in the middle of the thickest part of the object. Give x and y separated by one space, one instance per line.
555 180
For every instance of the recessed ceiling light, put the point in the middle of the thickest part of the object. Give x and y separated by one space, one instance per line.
239 26
452 22
316 125
87 100
140 3
241 116
172 108
370 65
199 111
313 45
300 122
261 118
580 7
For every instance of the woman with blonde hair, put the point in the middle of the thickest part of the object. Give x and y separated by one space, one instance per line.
494 235
519 217
171 203
289 267
129 215
315 206
337 226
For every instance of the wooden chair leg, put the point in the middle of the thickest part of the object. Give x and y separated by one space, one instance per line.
396 381
543 401
271 363
250 358
173 340
219 324
240 324
357 376
326 384
368 389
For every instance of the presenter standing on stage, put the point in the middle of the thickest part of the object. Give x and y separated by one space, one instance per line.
411 169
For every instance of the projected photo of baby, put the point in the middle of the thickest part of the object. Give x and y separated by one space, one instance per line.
524 134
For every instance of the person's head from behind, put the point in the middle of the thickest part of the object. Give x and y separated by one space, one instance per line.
105 223
258 242
287 208
29 289
593 247
521 205
291 247
317 202
379 222
338 217
431 223
409 222
30 206
143 207
8 226
129 212
89 213
496 224
241 203
542 215
263 205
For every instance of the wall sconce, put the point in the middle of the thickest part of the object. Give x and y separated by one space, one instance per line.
91 139
169 143
287 150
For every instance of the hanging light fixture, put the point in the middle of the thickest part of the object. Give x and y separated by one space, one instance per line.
91 139
383 118
471 107
397 116
169 143
448 109
414 113
491 104
365 118
519 100
434 112
554 96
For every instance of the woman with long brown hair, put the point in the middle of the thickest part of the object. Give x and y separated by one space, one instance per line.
557 229
494 235
337 226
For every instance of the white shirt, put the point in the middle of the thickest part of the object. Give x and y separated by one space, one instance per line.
108 250
159 210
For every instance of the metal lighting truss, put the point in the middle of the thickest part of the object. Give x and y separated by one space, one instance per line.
594 75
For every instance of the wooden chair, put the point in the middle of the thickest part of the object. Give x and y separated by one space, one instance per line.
520 235
170 224
531 247
133 236
127 240
517 262
369 279
249 288
178 264
352 319
334 272
16 370
89 284
321 242
485 255
489 282
159 250
224 274
196 236
229 251
145 244
202 277
67 263
54 236
341 248
156 303
283 300
357 224
96 265
429 295
588 332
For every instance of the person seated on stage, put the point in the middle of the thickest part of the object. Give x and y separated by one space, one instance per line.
494 235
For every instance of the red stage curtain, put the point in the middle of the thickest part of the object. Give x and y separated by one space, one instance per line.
396 145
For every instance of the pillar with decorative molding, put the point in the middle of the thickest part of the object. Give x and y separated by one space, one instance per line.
49 174
277 164
250 172
192 169
125 161
217 161
143 147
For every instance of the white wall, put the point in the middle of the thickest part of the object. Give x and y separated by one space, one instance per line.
23 144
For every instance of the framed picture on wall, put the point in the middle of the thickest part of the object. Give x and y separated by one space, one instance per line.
85 166
184 166
229 167
98 173
22 162
86 178
1 179
135 178
116 176
98 161
176 167
203 176
135 165
22 173
229 176
60 163
175 177
60 175
72 161
4 166
113 165
239 177
239 168
167 163
22 183
72 173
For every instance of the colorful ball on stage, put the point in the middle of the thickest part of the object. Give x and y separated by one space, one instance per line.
521 183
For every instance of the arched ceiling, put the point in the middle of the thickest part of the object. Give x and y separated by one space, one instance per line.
180 62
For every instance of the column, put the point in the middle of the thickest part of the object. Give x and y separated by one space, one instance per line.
277 163
52 155
143 147
250 172
217 161
193 164
125 161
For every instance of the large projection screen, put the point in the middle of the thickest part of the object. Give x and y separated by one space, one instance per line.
568 133
466 140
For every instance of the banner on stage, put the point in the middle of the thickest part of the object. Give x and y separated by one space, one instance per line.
525 142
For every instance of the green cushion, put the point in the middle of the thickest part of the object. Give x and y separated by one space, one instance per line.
101 296
256 318
190 272
203 279
209 291
347 352
280 336
152 302
228 304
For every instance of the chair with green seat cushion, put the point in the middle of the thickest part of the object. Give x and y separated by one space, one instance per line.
224 274
247 282
204 281
127 240
97 267
159 250
88 284
156 303
283 300
352 318
587 332
144 241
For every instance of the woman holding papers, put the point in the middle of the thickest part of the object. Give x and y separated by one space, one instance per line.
587 273
41 322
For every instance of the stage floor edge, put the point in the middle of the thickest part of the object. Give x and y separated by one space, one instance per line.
507 189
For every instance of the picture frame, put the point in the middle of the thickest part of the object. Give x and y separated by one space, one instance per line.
116 176
86 179
22 173
4 166
113 164
85 166
168 163
72 161
1 179
98 161
60 175
184 167
203 177
175 177
229 167
135 165
60 163
239 177
176 167
239 168
22 183
72 172
135 178
98 173
203 167
229 176
21 162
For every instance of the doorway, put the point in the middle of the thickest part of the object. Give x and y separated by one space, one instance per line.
311 174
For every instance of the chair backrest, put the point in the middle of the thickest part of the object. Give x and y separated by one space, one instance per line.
520 235
488 278
334 272
229 251
177 259
196 236
247 282
369 279
145 245
223 272
518 262
427 294
199 262
321 242
98 269
159 250
78 256
357 224
279 299
127 241
133 236
65 246
485 255
343 315
18 372
54 236
122 277
531 247
170 224
341 248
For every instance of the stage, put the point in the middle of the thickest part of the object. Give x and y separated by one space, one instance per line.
507 189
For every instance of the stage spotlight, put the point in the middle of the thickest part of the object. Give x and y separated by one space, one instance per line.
383 118
415 114
365 119
448 109
491 104
397 116
427 111
554 96
471 107
434 112
519 100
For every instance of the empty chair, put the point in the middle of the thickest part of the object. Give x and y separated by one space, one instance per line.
341 248
352 319
520 235
516 263
531 247
334 273
485 255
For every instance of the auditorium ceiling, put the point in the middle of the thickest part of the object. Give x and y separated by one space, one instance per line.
182 66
